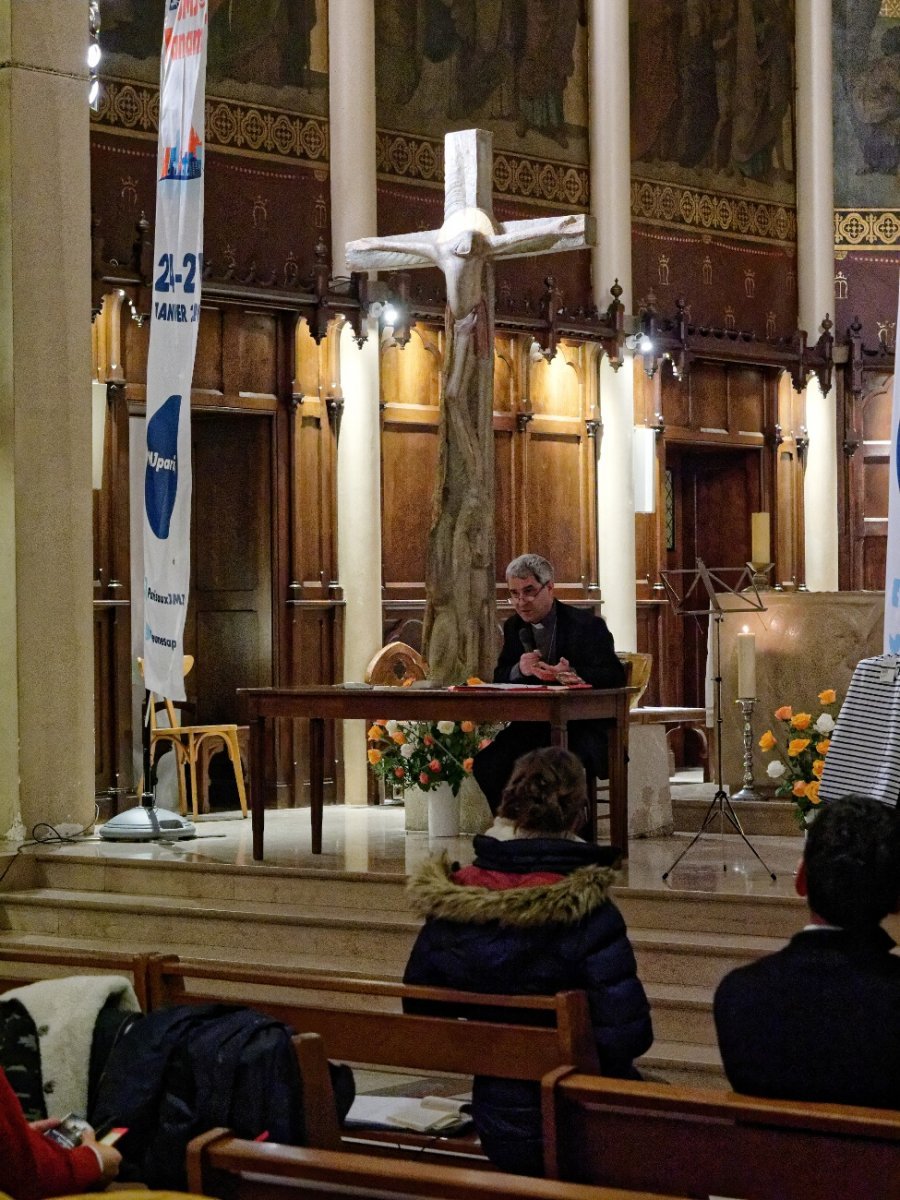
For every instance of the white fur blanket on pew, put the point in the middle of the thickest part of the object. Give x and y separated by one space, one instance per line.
64 1012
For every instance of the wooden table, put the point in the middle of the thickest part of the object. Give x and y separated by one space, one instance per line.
324 703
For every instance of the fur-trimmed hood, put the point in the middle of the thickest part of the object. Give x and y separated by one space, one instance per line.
433 893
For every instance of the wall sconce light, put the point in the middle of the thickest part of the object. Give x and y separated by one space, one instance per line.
98 432
94 54
639 343
644 469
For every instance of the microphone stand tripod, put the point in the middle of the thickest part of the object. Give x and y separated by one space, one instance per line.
147 823
720 806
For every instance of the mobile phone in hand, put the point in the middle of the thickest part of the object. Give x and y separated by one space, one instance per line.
112 1136
69 1132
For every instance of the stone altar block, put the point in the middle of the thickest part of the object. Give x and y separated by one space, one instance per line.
805 642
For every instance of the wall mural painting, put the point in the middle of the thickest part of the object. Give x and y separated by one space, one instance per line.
712 147
516 67
272 52
267 100
866 103
712 82
866 114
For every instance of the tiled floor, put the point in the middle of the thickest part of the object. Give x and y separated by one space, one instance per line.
373 840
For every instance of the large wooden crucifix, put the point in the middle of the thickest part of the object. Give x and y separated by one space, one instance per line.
460 637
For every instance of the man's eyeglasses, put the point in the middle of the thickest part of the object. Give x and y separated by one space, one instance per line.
525 593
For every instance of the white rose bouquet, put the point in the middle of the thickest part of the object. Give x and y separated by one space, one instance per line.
426 753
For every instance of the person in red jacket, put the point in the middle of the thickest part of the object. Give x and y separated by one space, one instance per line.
33 1166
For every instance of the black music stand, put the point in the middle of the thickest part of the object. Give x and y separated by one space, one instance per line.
707 583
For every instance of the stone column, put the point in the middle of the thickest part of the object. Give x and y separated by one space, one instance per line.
46 655
359 531
351 119
815 275
610 153
354 214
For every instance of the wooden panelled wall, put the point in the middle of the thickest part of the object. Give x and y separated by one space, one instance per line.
730 442
865 481
266 601
544 445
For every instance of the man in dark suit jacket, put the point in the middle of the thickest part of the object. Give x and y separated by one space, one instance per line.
547 642
820 1019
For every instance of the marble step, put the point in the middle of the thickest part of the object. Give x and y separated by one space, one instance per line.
682 1013
758 818
253 931
303 888
364 895
711 912
684 1065
694 959
347 965
246 931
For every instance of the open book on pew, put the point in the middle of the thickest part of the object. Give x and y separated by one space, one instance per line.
427 1114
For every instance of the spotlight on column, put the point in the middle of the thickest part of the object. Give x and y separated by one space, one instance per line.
390 316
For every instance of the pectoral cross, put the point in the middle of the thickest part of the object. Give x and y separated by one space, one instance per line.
460 578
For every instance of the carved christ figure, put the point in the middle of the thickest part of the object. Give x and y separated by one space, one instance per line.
460 580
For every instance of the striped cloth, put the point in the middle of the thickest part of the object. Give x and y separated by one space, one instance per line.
864 756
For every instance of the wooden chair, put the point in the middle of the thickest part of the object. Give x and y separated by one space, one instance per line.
638 666
394 664
693 1142
186 742
222 1165
637 675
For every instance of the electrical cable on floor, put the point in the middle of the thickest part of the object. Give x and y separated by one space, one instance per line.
54 837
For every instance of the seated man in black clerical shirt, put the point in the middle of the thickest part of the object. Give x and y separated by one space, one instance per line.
546 642
820 1019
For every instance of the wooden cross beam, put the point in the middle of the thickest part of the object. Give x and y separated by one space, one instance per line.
460 577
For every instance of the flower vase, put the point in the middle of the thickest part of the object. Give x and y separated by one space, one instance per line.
443 812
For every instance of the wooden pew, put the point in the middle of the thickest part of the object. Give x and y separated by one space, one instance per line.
220 1165
699 1143
21 964
361 1022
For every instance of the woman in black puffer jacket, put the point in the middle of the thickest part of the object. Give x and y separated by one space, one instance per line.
532 916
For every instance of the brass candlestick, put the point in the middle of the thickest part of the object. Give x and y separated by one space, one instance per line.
759 575
747 791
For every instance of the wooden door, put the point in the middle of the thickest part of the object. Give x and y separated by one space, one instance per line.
714 492
229 622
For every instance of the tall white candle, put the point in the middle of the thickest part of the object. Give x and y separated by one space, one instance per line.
746 652
760 541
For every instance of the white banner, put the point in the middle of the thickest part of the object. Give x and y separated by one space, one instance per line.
177 272
892 564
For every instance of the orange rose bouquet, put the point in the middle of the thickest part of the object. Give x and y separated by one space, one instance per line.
424 754
800 753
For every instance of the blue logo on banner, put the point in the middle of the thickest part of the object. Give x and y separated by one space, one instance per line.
161 477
